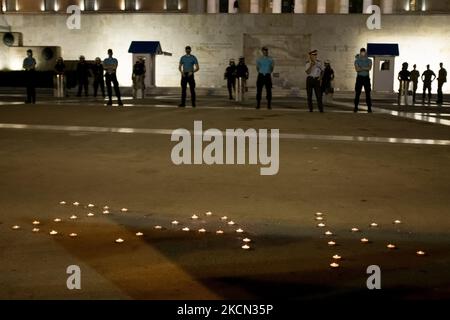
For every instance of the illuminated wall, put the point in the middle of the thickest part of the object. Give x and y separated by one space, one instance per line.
217 38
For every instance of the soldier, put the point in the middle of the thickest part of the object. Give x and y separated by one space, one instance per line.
427 78
314 69
188 67
138 77
441 80
83 76
415 75
110 65
327 80
99 81
60 76
230 76
363 66
29 65
242 75
264 66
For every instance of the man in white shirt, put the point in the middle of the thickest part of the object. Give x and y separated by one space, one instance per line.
314 69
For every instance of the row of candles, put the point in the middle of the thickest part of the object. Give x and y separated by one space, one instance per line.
320 217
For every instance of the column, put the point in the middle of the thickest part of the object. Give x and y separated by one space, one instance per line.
300 6
366 4
213 6
276 6
321 6
254 6
387 6
343 6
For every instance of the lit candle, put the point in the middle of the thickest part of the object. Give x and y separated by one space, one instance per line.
74 217
337 257
319 218
62 203
36 223
224 218
90 205
365 240
319 214
57 220
120 240
76 204
175 223
202 230
328 233
158 227
321 225
420 253
186 229
240 230
397 222
355 230
194 217
35 230
105 211
105 208
331 243
209 213
334 265
139 234
124 210
246 240
53 233
246 247
90 214
391 246
219 232
374 225
73 235
231 223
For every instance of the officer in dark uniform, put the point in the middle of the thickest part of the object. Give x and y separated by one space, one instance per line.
99 81
230 76
414 76
442 78
242 74
29 65
83 76
428 77
138 77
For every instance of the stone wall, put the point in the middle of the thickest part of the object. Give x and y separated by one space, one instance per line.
215 38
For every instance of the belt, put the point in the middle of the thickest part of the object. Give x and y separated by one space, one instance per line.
315 78
265 74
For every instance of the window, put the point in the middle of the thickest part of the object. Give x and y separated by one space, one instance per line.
355 6
130 5
89 5
223 7
287 6
172 5
50 5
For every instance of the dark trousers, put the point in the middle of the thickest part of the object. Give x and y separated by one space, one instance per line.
83 83
99 82
185 80
415 85
361 82
111 79
264 80
426 86
313 84
440 98
31 86
231 84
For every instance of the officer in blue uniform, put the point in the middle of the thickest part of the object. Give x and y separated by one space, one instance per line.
188 67
110 65
265 66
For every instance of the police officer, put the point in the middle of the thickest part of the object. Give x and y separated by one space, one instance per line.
60 75
29 65
138 77
99 81
230 76
363 66
264 66
428 77
441 80
188 67
314 69
110 65
83 76
414 76
242 75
